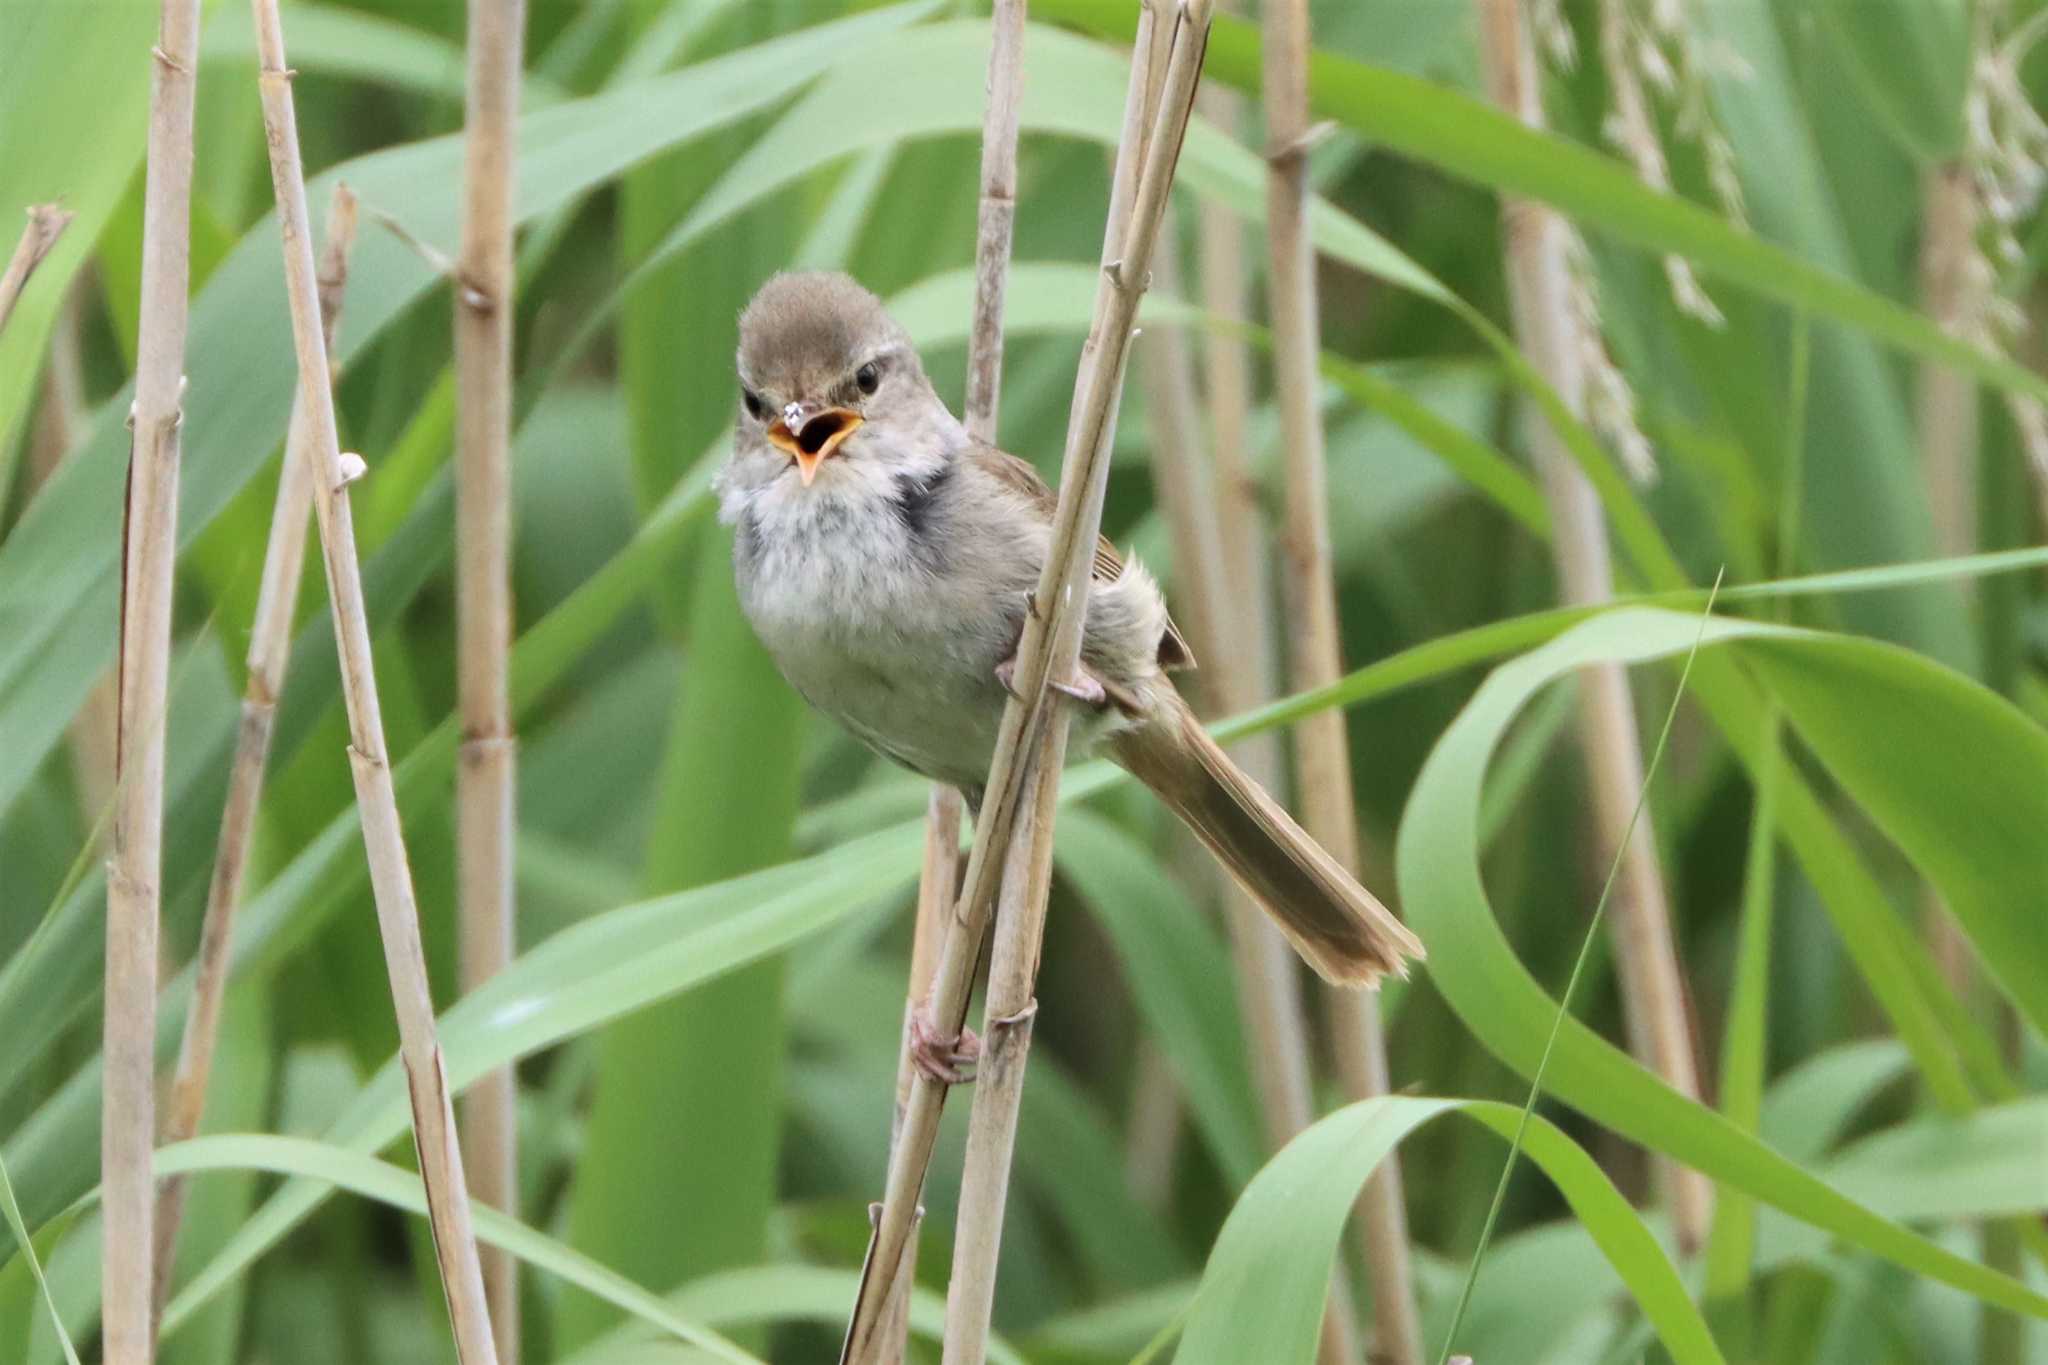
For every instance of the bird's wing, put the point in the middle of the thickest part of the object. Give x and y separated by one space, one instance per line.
1020 476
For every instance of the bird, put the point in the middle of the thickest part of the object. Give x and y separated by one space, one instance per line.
886 557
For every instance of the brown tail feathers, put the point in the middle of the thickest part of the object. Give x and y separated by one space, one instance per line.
1334 923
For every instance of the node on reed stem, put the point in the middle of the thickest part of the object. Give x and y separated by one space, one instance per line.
149 566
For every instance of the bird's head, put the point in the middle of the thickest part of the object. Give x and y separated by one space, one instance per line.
820 360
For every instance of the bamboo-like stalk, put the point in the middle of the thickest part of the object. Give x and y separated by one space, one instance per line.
1946 414
1244 674
1049 648
1646 956
46 223
1321 747
149 564
996 216
433 1115
485 778
939 880
270 646
1166 68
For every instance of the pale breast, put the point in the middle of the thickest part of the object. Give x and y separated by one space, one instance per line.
878 627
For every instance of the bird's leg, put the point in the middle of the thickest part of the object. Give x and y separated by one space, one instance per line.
948 1061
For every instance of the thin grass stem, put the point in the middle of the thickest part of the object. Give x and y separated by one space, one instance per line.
1571 985
433 1115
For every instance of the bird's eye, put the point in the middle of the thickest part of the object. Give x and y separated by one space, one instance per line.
753 402
867 376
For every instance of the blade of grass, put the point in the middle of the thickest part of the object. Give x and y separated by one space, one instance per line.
72 141
1731 1243
1261 1292
35 1263
1508 1012
1564 1002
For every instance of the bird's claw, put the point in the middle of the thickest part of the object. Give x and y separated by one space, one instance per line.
1086 688
946 1061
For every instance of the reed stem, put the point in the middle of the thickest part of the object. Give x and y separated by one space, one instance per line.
995 218
270 647
149 567
46 223
1322 753
486 782
433 1115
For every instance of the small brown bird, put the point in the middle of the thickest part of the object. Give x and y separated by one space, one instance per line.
884 557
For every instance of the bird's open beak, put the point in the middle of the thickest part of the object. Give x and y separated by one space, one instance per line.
811 436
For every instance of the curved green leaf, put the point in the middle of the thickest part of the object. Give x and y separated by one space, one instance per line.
1471 963
1261 1297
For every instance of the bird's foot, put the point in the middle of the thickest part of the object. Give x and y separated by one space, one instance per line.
1086 689
947 1061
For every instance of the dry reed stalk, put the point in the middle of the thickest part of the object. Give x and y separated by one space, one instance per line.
1166 68
1322 753
46 223
149 565
434 1133
1244 675
485 781
1051 641
1946 414
995 219
270 646
1646 956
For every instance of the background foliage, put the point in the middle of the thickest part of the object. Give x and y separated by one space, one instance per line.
713 884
